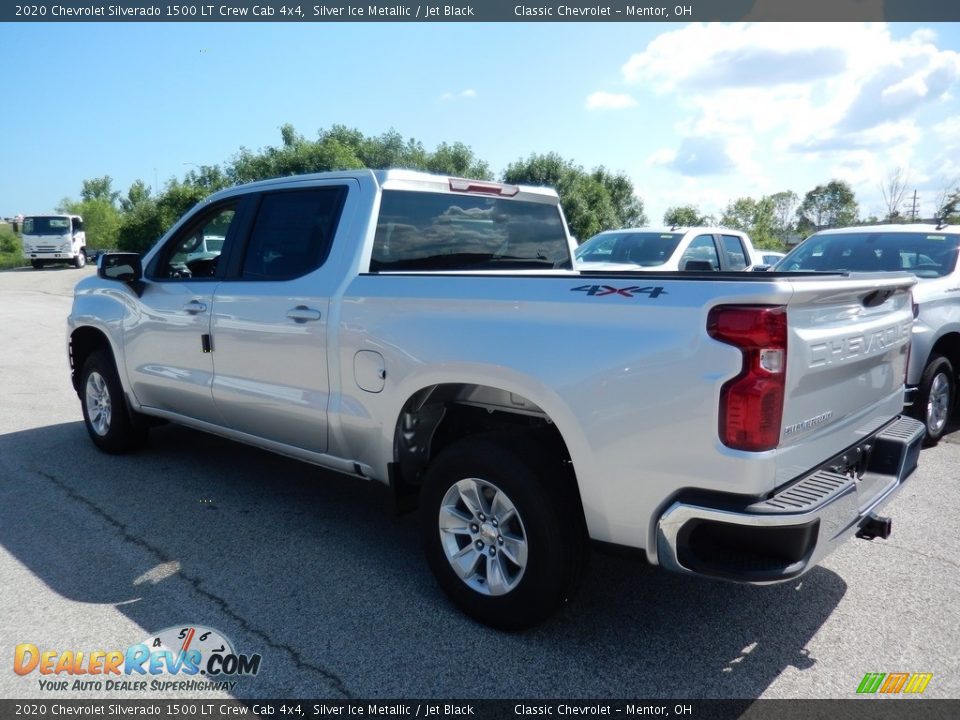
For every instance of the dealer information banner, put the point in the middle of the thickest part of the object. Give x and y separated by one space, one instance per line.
482 11
486 709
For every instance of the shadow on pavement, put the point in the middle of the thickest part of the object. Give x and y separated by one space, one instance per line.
316 573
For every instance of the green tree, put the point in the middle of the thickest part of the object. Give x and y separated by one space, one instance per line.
784 207
757 218
457 160
592 202
948 206
101 189
101 220
138 194
830 205
739 214
343 148
146 221
684 216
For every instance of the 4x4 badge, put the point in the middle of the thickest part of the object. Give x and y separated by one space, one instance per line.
631 291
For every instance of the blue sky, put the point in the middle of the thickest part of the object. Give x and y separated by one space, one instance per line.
692 113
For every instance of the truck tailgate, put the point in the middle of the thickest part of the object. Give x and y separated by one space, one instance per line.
847 352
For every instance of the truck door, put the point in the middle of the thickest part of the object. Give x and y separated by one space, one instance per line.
167 347
270 319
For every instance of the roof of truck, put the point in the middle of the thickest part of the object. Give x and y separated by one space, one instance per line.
398 178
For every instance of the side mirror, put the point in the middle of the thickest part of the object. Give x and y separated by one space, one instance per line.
125 267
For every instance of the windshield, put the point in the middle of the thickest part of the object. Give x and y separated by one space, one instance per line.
444 231
925 254
46 225
639 248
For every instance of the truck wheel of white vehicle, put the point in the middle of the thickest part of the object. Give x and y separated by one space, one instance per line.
105 412
37 265
80 260
502 531
935 397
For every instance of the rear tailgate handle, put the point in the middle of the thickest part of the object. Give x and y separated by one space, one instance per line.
195 306
302 314
877 298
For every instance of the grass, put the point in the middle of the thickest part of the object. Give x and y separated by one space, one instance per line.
11 254
11 260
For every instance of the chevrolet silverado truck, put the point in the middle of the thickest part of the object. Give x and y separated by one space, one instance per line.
929 252
431 334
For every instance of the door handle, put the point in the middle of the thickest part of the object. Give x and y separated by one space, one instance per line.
302 314
195 306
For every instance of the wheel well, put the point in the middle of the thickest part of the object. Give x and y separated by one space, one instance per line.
83 342
949 347
438 416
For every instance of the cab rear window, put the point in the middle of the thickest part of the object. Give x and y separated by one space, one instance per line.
447 231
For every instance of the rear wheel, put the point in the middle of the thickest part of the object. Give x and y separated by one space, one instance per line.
502 530
36 264
935 397
110 424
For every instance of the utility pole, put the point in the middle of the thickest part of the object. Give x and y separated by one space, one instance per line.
914 208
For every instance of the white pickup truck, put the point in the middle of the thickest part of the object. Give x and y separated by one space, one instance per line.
430 333
690 249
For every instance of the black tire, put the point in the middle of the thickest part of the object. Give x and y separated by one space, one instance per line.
81 259
544 496
112 426
936 398
36 264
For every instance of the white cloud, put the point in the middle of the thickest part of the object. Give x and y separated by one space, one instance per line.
462 95
847 98
609 101
698 155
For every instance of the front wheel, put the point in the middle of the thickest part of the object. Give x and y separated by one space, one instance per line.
935 397
80 260
502 531
110 424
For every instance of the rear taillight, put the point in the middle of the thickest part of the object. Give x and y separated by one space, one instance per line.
751 405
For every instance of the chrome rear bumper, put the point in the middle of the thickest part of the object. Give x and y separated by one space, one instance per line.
783 536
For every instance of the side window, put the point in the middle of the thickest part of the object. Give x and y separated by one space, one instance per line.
700 255
736 256
195 252
77 225
292 233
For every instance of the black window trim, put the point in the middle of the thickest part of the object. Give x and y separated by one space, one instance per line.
198 219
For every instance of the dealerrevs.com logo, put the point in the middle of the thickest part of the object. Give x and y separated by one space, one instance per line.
182 658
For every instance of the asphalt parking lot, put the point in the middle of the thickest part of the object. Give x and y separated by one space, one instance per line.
317 574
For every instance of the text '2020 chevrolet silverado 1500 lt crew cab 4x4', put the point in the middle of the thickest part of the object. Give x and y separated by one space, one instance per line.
430 333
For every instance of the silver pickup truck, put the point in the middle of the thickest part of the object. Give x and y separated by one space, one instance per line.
431 334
